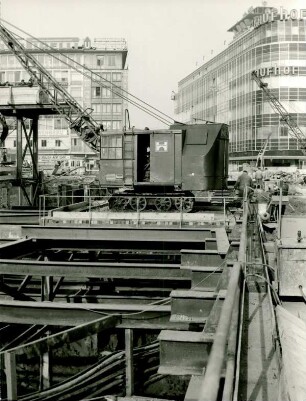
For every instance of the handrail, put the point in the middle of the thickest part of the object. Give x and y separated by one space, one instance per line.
210 384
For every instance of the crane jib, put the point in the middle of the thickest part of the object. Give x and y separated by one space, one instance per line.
294 130
84 125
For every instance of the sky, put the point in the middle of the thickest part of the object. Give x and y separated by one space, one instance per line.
167 39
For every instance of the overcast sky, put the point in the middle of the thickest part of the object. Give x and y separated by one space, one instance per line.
167 39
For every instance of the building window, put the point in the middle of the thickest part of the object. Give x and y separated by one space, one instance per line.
112 61
106 108
96 108
15 143
43 143
74 141
117 108
116 124
107 125
58 143
100 61
107 76
57 123
111 147
106 93
97 91
117 77
284 131
60 123
117 93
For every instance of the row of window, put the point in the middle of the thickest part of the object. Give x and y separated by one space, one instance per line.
61 76
107 108
274 144
43 143
106 93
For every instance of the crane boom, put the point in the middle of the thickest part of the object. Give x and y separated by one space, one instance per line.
285 116
261 153
78 118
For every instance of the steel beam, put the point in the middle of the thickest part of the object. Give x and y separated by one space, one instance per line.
198 257
116 234
61 314
86 269
184 352
191 306
129 364
17 248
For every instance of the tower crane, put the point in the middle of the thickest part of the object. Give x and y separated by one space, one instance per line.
285 116
79 119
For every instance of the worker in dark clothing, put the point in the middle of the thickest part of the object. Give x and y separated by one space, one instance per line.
243 181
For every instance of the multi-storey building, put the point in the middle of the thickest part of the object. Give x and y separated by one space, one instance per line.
104 96
273 42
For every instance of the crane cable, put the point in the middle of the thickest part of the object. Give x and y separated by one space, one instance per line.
161 119
143 108
82 73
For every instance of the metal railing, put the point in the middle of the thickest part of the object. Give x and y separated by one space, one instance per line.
228 319
91 210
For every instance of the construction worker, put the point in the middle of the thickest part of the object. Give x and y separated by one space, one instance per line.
243 181
258 178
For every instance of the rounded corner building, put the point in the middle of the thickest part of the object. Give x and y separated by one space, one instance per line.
271 42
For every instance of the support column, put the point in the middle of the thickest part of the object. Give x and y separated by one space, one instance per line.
35 147
129 369
11 377
45 358
45 370
19 149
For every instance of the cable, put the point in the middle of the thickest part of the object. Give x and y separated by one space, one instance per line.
260 264
86 68
163 301
267 281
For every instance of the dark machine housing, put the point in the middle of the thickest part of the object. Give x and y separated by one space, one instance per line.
185 160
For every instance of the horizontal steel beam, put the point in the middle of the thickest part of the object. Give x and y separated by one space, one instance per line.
118 234
86 269
62 314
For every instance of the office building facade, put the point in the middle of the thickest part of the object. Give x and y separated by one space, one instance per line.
102 96
273 43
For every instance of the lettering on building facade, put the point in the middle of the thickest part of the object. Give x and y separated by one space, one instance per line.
268 71
284 15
